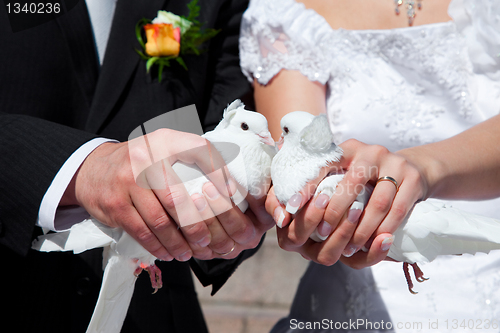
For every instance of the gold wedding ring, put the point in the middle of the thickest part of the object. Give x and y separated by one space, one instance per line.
226 253
389 179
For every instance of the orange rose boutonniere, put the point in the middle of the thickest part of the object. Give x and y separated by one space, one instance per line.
170 36
163 40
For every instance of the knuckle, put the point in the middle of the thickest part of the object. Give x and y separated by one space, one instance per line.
177 247
160 223
173 198
163 133
327 259
222 245
198 140
343 234
124 176
146 237
115 206
360 238
244 234
203 253
398 211
139 156
333 213
195 231
252 243
380 204
287 243
379 150
351 144
295 240
310 220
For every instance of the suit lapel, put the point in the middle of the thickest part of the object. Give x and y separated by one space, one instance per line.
120 59
77 31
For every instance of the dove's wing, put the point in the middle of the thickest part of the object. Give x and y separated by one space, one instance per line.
118 280
115 295
89 234
433 230
317 137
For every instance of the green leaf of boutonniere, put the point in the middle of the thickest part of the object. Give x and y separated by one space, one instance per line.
170 36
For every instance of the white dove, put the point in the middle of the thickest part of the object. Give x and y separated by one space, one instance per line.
251 169
124 258
304 151
428 231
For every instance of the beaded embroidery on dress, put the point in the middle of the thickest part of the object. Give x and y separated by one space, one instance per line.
412 65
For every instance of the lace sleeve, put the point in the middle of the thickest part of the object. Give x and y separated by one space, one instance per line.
283 34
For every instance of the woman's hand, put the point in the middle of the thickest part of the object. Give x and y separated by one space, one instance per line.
350 230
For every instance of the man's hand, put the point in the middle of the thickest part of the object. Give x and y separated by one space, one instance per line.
132 185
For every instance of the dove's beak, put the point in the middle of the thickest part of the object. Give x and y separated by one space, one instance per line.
266 138
280 143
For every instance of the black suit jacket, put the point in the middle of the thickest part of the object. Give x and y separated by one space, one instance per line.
53 98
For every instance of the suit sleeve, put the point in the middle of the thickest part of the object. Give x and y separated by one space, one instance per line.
229 83
33 151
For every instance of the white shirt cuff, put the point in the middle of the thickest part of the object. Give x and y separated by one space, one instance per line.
49 216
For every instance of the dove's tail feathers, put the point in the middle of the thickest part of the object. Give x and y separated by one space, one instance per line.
115 296
438 230
83 236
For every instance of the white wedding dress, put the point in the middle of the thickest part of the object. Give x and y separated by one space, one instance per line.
397 88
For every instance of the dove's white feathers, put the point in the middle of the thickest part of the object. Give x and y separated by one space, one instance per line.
307 147
434 229
430 230
118 280
251 169
123 255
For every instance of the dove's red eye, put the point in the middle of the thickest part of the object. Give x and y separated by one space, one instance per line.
286 130
244 126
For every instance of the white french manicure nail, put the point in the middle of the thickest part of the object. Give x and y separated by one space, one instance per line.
315 236
293 204
349 251
324 229
386 243
321 201
279 216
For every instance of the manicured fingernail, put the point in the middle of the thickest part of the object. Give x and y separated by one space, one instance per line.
211 191
350 250
367 245
205 241
200 203
353 215
293 204
321 201
324 229
279 216
231 187
185 256
386 243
